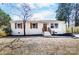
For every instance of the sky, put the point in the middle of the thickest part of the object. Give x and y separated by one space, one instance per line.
40 11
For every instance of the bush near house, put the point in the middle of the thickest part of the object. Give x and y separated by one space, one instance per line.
2 33
75 29
4 23
7 30
68 30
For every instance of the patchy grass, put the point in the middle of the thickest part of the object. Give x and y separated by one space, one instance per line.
39 46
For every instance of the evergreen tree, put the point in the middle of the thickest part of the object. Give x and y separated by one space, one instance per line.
63 12
4 18
77 14
5 22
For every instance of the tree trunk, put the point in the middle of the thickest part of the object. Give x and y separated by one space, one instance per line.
72 30
24 27
68 22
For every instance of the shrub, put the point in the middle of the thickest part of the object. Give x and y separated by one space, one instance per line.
7 30
76 29
2 33
69 30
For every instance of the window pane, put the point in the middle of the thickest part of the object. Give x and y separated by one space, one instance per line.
52 25
34 25
18 25
56 25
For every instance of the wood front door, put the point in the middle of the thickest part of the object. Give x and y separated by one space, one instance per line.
44 27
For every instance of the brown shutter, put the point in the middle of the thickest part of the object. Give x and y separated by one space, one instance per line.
21 25
36 25
30 25
15 25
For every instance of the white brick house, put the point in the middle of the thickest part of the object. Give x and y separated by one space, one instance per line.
35 27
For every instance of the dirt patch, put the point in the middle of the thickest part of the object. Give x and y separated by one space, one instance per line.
41 46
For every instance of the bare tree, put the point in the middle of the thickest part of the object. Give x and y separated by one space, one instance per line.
25 13
22 10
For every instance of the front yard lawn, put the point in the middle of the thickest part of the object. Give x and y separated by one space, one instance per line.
39 46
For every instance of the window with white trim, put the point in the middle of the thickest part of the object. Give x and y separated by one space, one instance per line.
18 25
34 25
56 25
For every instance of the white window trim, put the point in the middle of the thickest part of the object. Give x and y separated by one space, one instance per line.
34 27
54 26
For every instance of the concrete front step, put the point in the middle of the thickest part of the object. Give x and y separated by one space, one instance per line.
46 33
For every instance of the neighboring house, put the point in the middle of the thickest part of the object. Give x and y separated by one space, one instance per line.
35 27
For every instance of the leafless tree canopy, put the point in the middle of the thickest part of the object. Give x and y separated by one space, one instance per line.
22 10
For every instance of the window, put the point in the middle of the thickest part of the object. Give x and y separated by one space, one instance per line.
33 25
18 25
56 25
52 25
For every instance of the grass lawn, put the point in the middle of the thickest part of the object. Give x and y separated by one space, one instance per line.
39 46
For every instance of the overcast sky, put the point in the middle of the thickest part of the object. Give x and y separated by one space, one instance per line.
44 11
